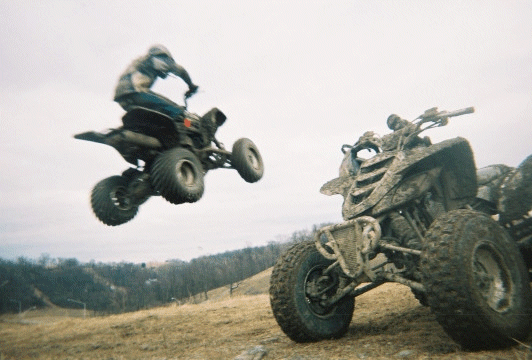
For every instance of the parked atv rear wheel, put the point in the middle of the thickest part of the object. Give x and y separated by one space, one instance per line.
246 159
421 297
516 193
177 175
297 286
111 202
476 281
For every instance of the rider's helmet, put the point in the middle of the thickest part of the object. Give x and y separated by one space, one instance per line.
158 50
160 59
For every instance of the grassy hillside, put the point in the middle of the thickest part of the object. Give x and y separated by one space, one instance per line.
388 323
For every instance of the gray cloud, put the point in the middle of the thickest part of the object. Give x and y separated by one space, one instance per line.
298 78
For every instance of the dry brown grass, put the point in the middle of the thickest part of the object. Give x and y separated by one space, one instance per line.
388 323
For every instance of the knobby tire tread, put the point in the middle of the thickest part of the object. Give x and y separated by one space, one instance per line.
448 293
240 161
282 299
103 207
165 181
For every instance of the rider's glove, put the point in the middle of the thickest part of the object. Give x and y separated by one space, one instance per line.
191 90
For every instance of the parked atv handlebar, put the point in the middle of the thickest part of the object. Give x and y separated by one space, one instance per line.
437 118
408 129
468 110
433 115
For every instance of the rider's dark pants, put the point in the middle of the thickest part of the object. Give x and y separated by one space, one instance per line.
151 101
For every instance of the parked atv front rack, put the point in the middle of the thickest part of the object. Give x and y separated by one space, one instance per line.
351 245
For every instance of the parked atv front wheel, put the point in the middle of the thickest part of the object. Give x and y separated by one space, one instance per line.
177 175
298 287
476 281
111 202
246 159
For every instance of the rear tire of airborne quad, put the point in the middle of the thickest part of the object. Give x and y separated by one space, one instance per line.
111 202
177 175
246 159
302 318
476 281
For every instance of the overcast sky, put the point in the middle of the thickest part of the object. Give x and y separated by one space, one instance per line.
299 78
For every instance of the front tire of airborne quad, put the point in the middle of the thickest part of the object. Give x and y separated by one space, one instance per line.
476 281
246 159
177 175
297 273
111 201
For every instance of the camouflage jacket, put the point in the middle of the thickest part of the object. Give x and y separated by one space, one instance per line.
142 72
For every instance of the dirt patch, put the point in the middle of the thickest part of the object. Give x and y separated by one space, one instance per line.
388 323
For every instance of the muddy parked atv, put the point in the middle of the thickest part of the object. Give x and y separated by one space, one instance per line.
170 158
412 216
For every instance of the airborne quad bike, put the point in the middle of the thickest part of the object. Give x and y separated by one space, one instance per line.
417 214
170 158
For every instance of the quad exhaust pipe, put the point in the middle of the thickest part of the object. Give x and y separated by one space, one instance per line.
140 139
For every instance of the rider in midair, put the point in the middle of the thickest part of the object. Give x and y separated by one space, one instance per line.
134 85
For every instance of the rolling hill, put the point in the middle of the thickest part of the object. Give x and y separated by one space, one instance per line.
388 323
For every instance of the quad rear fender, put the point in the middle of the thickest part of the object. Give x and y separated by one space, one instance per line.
149 122
131 145
142 127
158 125
117 136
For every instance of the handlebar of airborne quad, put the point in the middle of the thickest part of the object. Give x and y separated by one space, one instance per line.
188 95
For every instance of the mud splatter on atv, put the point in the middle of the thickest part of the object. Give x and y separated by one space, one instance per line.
418 214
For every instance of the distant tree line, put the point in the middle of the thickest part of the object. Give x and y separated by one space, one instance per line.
122 287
